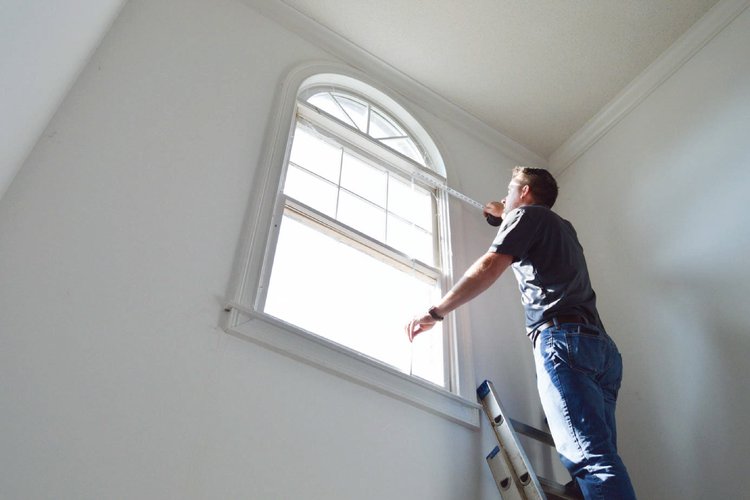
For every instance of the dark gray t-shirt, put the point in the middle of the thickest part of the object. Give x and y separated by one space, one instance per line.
548 263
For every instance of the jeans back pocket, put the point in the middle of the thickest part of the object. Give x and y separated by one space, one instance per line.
586 352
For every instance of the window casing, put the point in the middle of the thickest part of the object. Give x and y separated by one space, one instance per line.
396 255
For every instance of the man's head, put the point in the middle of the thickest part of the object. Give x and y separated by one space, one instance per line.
530 186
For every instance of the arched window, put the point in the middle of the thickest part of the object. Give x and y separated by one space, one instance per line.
358 235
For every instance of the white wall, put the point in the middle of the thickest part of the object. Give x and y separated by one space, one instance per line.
660 206
117 240
118 237
45 44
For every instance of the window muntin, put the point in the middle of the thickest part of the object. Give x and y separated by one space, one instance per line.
362 193
356 251
369 120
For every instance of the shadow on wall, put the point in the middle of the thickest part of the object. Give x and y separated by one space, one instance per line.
698 399
690 284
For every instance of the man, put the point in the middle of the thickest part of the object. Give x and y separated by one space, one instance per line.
579 368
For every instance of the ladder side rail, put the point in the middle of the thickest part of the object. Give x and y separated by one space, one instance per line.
510 442
502 472
509 449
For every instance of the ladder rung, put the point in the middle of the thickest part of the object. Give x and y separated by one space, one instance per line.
555 491
532 432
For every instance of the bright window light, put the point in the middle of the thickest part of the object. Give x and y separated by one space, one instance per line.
354 299
356 252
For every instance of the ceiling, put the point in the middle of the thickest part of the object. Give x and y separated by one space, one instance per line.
535 71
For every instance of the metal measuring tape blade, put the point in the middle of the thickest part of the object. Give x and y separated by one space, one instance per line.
491 219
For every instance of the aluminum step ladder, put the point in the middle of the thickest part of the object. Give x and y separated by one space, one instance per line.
513 473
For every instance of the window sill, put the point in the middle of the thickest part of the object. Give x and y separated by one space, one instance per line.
295 343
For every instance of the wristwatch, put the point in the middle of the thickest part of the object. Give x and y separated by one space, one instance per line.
433 313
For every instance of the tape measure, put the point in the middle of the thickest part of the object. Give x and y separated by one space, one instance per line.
450 191
491 219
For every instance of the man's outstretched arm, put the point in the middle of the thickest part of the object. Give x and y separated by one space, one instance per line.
478 278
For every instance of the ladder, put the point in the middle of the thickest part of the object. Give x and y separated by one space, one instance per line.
513 473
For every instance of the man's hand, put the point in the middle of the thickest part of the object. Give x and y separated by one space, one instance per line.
475 280
494 208
418 325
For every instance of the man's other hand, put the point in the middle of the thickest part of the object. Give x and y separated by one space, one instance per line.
418 325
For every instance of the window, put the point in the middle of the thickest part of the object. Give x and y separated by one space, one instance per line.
357 250
347 238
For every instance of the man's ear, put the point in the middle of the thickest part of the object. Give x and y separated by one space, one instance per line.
525 191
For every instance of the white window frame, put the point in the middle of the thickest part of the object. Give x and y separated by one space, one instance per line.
245 317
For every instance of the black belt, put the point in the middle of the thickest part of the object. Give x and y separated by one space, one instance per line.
557 320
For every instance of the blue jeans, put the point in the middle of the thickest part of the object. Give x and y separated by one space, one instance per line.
579 371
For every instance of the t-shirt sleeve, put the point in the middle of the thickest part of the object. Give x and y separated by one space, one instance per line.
516 234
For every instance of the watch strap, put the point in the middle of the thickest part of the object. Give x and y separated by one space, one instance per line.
433 313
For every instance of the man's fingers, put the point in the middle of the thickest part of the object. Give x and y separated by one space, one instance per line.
419 325
418 328
413 328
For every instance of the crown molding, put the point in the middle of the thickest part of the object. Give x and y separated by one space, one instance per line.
711 24
407 87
